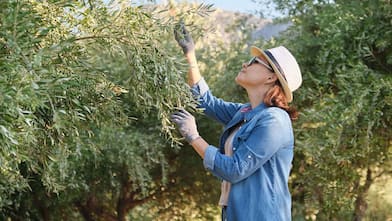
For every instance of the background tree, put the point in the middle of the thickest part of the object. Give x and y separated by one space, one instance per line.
343 137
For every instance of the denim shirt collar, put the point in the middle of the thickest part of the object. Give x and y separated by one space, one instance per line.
249 113
245 114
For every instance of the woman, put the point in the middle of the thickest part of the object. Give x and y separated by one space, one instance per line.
256 148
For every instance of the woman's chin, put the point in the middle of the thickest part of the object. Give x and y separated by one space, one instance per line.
238 79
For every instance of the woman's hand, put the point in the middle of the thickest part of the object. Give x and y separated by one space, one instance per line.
186 125
183 38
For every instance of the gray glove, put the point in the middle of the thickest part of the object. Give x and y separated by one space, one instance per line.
183 38
186 125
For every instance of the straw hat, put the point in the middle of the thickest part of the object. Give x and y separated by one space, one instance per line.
285 66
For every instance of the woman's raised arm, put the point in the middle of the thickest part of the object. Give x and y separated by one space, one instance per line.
185 40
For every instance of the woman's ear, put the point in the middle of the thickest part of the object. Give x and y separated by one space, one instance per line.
272 78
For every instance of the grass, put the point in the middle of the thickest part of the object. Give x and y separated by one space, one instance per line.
380 201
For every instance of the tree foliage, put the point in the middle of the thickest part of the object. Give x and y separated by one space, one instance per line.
86 91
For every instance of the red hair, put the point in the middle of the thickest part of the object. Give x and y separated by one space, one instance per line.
275 98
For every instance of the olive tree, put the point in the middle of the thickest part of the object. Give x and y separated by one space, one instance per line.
86 91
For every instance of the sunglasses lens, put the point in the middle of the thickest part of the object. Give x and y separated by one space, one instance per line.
252 61
256 60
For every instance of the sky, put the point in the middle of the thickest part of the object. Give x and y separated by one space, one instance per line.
232 5
246 6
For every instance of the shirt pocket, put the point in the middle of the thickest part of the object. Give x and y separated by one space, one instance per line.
241 137
246 130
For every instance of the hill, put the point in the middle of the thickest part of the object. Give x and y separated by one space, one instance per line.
222 21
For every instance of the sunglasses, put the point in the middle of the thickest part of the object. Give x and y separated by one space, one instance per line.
258 60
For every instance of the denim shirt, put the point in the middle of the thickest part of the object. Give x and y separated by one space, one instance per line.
262 154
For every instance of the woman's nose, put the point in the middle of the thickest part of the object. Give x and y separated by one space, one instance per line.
244 65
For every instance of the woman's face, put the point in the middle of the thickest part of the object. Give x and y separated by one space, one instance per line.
255 73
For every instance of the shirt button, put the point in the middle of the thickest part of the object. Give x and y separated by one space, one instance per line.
249 156
234 148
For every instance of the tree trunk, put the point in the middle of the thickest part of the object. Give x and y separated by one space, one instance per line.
360 203
360 207
92 210
40 204
121 208
84 211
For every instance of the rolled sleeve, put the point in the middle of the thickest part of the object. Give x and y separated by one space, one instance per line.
209 157
262 143
200 88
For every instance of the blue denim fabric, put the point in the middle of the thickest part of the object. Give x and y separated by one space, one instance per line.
262 154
